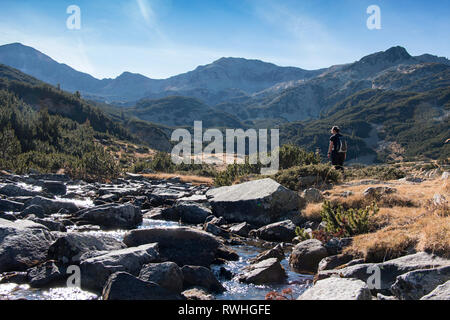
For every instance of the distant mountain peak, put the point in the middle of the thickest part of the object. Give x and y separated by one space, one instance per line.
392 55
130 75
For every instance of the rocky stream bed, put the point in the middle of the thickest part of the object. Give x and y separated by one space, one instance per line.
135 238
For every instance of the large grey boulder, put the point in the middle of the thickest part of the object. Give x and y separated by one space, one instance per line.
110 216
11 190
54 187
388 270
51 224
337 289
283 231
187 212
184 246
33 209
197 276
125 286
70 247
414 285
52 206
442 292
46 275
167 274
23 244
258 202
264 272
96 271
306 256
8 205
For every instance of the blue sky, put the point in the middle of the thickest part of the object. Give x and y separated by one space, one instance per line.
161 38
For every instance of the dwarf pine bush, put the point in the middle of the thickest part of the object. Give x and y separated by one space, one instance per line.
348 222
341 222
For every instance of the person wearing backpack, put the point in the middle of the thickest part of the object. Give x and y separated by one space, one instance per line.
337 151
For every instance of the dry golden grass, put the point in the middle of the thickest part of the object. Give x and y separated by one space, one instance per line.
196 180
407 222
382 245
312 211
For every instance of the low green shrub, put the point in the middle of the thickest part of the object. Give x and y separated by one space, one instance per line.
340 222
302 177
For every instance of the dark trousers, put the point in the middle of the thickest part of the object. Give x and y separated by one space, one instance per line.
337 160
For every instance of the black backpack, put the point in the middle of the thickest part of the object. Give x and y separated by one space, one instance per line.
343 147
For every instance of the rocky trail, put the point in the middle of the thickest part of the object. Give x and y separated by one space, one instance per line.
136 238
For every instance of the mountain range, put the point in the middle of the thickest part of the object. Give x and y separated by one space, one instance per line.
236 92
216 82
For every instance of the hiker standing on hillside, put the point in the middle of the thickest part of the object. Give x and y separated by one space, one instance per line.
337 151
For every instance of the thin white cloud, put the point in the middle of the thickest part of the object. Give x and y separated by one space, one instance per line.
146 11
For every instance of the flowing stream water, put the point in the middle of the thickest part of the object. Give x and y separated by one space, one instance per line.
235 289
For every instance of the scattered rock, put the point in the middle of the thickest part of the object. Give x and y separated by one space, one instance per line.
336 245
378 191
337 289
225 273
313 195
125 286
54 187
125 216
51 224
11 190
216 230
332 262
184 246
283 231
258 202
196 276
52 206
383 297
264 272
45 275
23 244
241 229
197 294
218 221
439 200
70 247
306 256
96 270
167 274
414 285
389 270
412 179
276 252
33 209
8 205
442 292
192 213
